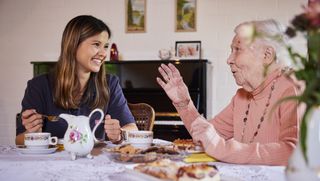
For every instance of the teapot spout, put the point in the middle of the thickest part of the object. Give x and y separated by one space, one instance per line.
67 117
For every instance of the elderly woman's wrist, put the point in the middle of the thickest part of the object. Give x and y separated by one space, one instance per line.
182 104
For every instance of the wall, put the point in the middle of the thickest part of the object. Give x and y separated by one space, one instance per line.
31 31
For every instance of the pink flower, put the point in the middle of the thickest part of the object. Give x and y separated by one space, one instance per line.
312 13
307 21
75 136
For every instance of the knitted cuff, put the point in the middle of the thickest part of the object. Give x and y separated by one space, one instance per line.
181 104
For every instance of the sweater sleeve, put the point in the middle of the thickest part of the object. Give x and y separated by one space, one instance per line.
273 153
118 106
223 122
35 97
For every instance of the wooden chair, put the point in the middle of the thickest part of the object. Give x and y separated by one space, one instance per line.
18 120
143 114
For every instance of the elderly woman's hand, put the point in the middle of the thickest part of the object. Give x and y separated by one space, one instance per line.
173 84
32 121
112 129
202 131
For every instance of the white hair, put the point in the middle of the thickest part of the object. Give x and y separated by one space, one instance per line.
271 33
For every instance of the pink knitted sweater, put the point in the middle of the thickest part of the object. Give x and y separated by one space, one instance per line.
276 137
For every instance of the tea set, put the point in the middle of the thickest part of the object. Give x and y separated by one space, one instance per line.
79 139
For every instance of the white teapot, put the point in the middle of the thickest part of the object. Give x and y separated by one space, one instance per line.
79 139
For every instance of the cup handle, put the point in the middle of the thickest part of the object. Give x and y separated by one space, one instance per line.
53 140
124 134
100 121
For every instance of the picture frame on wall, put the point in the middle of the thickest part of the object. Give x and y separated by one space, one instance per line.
188 50
186 11
135 16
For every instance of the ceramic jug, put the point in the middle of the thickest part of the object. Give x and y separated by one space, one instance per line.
79 139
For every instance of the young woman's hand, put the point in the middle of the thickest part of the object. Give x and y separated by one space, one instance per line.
112 129
32 121
173 84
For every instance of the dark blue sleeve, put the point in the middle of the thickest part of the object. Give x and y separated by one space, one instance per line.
34 98
118 107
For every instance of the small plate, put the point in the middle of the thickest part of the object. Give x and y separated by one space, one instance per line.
24 150
160 142
194 151
142 158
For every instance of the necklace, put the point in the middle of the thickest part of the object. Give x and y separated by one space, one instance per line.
263 114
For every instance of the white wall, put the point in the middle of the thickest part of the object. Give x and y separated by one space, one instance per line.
31 31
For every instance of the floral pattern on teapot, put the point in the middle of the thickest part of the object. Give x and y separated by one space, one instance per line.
76 135
79 139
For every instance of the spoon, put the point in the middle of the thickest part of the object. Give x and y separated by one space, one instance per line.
51 118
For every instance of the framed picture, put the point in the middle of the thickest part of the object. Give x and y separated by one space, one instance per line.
188 50
186 11
135 16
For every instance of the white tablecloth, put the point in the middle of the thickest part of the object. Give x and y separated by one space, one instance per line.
58 166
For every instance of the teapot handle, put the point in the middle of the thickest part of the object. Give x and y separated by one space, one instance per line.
100 121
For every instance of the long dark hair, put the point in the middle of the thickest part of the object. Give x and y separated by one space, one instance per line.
66 90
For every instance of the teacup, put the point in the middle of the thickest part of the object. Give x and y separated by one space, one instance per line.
39 140
60 145
140 139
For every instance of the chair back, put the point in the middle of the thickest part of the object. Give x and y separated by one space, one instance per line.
143 114
18 120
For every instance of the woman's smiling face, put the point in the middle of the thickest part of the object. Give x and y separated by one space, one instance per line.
92 52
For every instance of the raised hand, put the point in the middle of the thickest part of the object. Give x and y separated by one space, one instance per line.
32 121
173 84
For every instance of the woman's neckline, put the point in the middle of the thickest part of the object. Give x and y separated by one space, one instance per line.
267 82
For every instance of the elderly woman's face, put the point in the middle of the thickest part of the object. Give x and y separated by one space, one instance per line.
246 64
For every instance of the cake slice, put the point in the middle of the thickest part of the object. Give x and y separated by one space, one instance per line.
165 169
203 172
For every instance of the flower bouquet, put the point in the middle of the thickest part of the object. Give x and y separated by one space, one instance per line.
308 67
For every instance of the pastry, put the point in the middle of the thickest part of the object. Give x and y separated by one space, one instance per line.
163 169
201 172
168 170
187 145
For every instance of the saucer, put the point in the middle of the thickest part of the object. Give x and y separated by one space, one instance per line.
25 150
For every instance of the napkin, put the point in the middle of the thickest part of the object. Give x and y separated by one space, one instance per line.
199 157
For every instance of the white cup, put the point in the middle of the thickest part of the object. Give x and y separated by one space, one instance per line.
140 139
39 140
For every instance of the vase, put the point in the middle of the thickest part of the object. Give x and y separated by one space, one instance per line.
114 54
298 168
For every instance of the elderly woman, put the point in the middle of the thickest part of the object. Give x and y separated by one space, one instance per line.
248 130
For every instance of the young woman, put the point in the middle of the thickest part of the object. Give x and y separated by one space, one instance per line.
77 85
